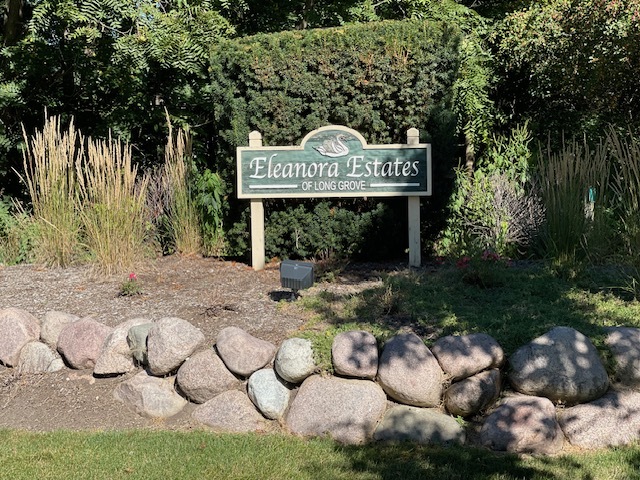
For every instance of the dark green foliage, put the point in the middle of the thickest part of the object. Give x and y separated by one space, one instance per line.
331 231
379 78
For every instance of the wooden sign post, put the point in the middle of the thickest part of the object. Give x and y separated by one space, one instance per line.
333 161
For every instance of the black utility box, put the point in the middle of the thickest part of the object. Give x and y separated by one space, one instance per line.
296 275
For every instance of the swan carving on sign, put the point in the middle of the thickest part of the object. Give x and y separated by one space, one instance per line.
334 146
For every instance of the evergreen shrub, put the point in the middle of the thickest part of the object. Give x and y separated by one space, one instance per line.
379 78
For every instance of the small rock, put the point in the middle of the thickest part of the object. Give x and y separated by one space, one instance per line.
471 395
355 354
421 425
36 357
116 357
80 343
345 409
409 372
268 393
137 341
17 328
463 356
523 424
294 360
150 396
204 375
231 411
170 341
243 353
52 324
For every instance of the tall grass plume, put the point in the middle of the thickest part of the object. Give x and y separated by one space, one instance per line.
49 161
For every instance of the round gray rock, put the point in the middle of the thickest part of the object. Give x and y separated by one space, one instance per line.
624 343
243 353
474 394
409 372
461 356
231 411
204 375
294 360
345 409
523 424
116 357
355 354
37 357
420 425
170 341
268 393
52 324
562 365
80 343
611 420
17 328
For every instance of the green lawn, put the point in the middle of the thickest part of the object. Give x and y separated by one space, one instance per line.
200 455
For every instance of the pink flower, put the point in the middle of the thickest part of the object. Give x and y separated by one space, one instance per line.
463 262
132 277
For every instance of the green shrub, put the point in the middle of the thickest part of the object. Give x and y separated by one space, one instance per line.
495 207
17 234
379 78
330 231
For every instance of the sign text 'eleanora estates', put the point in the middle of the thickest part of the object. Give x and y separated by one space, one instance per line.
334 161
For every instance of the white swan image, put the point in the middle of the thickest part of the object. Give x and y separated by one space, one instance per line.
334 147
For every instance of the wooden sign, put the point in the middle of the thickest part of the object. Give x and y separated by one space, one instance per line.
334 161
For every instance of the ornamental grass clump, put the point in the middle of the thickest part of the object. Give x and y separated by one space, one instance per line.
50 174
566 178
177 179
112 206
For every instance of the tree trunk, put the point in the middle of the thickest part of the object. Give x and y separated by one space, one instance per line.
12 21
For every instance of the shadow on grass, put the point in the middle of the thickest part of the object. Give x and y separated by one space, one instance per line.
406 461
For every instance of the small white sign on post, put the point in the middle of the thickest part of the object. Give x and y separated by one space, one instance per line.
334 161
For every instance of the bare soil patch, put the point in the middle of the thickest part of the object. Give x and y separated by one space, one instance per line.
209 293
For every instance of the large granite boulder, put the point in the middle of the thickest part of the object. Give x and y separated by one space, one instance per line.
474 394
523 424
420 425
80 343
204 375
409 372
52 324
17 328
243 353
355 354
268 393
345 409
294 361
624 343
150 396
116 357
461 356
561 365
231 411
170 341
611 420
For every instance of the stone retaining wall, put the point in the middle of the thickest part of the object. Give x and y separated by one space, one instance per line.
559 389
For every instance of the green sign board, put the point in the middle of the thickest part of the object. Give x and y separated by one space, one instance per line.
334 161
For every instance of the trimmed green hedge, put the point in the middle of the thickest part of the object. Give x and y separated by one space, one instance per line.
379 78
